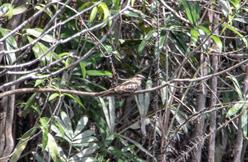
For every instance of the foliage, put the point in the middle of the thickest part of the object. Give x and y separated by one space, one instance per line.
193 55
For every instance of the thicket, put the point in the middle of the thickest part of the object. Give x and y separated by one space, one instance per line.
56 56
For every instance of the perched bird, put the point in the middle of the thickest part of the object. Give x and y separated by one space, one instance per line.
127 87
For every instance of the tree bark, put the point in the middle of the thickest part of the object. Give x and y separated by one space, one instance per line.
201 101
7 107
214 95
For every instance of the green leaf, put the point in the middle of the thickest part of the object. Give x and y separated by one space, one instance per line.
53 148
98 73
235 3
39 82
235 30
40 49
194 35
58 128
41 7
143 100
215 38
116 4
105 111
204 29
22 144
7 9
106 12
83 69
130 14
10 44
192 11
146 39
93 14
53 96
83 155
235 109
217 41
84 137
179 41
36 32
44 123
3 10
108 48
81 124
18 10
76 99
85 5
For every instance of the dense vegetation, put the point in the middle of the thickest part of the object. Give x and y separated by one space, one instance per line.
56 57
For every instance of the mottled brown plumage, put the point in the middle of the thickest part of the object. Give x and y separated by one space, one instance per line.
127 87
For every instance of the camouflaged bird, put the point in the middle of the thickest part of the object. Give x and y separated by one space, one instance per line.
127 87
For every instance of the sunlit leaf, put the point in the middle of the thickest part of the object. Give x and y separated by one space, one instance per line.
82 137
81 124
204 29
194 34
53 148
53 96
18 10
59 129
93 14
42 52
39 82
36 32
7 10
217 41
66 122
215 38
235 3
82 155
44 121
22 143
41 7
10 44
235 109
3 10
130 14
106 12
105 111
98 73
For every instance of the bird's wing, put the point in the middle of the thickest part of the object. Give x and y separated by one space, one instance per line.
129 86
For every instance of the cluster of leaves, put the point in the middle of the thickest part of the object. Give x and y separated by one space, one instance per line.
83 45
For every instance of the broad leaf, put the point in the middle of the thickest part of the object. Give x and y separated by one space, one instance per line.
37 32
235 109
